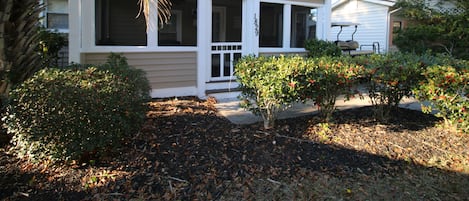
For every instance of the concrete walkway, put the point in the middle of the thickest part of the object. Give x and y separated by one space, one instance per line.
230 109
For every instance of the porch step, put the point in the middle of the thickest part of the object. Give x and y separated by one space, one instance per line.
227 93
226 89
227 84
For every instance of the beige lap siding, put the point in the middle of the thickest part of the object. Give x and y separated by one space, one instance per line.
164 69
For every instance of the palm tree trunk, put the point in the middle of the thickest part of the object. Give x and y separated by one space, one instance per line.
5 65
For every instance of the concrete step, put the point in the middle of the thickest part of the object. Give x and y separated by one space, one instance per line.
223 94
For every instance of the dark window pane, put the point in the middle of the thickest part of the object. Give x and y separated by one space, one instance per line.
116 23
303 22
271 25
57 21
227 63
226 20
181 30
216 65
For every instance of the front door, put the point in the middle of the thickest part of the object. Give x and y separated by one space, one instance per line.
226 45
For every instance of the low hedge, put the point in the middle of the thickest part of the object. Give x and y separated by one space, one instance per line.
446 88
270 84
75 114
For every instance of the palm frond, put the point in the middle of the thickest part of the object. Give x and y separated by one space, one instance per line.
164 10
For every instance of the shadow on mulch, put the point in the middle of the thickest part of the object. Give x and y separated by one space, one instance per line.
186 152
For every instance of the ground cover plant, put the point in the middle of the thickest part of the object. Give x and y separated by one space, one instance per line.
185 151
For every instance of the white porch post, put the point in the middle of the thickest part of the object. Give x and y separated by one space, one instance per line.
287 26
152 29
74 35
324 20
251 27
204 39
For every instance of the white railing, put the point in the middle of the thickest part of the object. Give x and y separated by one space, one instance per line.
224 56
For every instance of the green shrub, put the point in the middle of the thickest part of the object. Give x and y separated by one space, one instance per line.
391 77
69 114
50 43
327 78
268 84
446 87
319 48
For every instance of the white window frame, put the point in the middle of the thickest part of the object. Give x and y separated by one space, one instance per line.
287 8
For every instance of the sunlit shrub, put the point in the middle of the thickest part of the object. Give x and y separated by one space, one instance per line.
326 78
319 48
268 84
390 78
67 114
446 88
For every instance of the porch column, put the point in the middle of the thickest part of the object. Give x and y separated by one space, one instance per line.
324 20
204 39
251 26
74 35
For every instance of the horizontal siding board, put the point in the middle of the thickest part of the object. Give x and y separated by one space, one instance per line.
371 17
164 70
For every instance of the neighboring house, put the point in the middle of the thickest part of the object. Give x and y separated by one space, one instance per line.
373 19
55 18
398 22
193 54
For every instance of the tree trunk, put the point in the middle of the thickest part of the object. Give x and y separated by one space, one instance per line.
5 65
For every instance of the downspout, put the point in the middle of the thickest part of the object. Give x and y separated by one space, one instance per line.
388 29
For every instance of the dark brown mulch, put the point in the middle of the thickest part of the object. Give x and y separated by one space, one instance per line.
186 152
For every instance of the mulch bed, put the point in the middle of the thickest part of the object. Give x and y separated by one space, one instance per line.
185 151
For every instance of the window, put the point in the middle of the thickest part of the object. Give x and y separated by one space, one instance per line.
271 25
181 30
303 22
116 23
396 26
56 16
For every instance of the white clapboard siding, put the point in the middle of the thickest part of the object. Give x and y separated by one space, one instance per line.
372 19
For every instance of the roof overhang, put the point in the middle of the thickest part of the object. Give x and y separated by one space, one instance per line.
387 3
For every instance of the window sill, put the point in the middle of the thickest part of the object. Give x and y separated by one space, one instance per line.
106 49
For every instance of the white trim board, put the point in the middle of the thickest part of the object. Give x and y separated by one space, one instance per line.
172 92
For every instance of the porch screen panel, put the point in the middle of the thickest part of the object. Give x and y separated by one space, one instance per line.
303 22
116 23
271 25
182 27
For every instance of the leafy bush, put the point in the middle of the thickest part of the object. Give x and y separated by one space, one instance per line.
446 87
50 43
327 78
391 77
70 114
319 48
430 27
268 84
